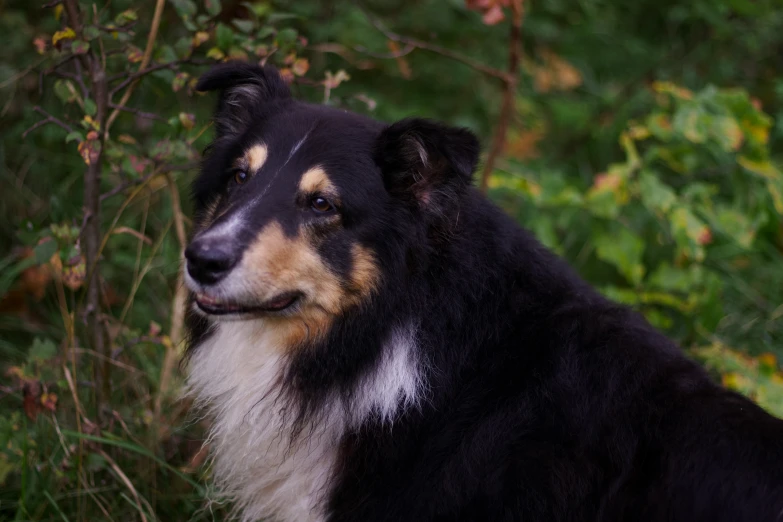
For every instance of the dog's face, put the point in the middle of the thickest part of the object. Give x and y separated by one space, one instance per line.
298 205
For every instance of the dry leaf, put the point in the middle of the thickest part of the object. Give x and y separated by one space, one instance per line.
65 34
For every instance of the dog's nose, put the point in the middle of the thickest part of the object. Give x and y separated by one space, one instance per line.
210 259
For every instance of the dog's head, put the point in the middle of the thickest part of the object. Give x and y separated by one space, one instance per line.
303 212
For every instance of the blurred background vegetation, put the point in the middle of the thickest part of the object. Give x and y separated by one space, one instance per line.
640 140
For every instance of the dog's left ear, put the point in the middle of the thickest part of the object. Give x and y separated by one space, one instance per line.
245 89
425 162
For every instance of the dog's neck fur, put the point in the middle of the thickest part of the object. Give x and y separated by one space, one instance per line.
261 460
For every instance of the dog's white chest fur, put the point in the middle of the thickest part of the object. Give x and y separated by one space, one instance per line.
234 376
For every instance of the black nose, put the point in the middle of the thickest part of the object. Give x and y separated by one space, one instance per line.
210 259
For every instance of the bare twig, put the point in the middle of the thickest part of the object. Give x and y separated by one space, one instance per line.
91 231
348 53
49 119
140 277
119 188
144 62
507 102
125 480
20 74
72 10
409 48
178 304
420 44
127 28
156 172
135 233
80 80
129 79
137 112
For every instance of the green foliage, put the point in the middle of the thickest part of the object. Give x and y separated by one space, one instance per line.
645 149
694 197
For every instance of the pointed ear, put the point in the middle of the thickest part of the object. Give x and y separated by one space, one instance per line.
425 162
244 89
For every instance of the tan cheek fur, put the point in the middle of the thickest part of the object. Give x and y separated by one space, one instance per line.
292 264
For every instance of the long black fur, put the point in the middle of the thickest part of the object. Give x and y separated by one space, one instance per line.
544 401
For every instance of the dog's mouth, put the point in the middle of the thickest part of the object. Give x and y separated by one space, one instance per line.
213 306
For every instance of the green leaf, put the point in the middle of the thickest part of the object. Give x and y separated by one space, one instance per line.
74 136
265 31
765 169
183 47
275 18
603 204
727 133
212 6
672 279
624 250
690 232
95 462
126 17
737 226
65 91
91 32
692 122
746 375
185 7
166 54
244 25
89 107
5 468
224 36
80 47
42 350
188 23
286 37
44 251
655 195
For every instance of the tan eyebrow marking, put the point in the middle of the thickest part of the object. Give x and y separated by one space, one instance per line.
255 157
316 180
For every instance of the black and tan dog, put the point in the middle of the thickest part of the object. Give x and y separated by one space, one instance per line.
375 341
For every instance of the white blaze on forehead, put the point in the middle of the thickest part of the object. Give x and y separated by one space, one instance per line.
228 228
297 145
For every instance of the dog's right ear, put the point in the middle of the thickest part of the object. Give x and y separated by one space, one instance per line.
244 89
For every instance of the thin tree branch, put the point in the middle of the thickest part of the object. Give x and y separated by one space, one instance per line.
91 231
72 10
80 80
178 304
420 44
507 102
144 62
129 79
137 112
347 53
127 28
49 119
155 172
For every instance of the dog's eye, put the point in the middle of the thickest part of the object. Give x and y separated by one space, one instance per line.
240 176
321 205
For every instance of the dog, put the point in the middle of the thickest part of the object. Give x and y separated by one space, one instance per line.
374 340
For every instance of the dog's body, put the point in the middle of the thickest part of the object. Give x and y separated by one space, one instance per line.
377 342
